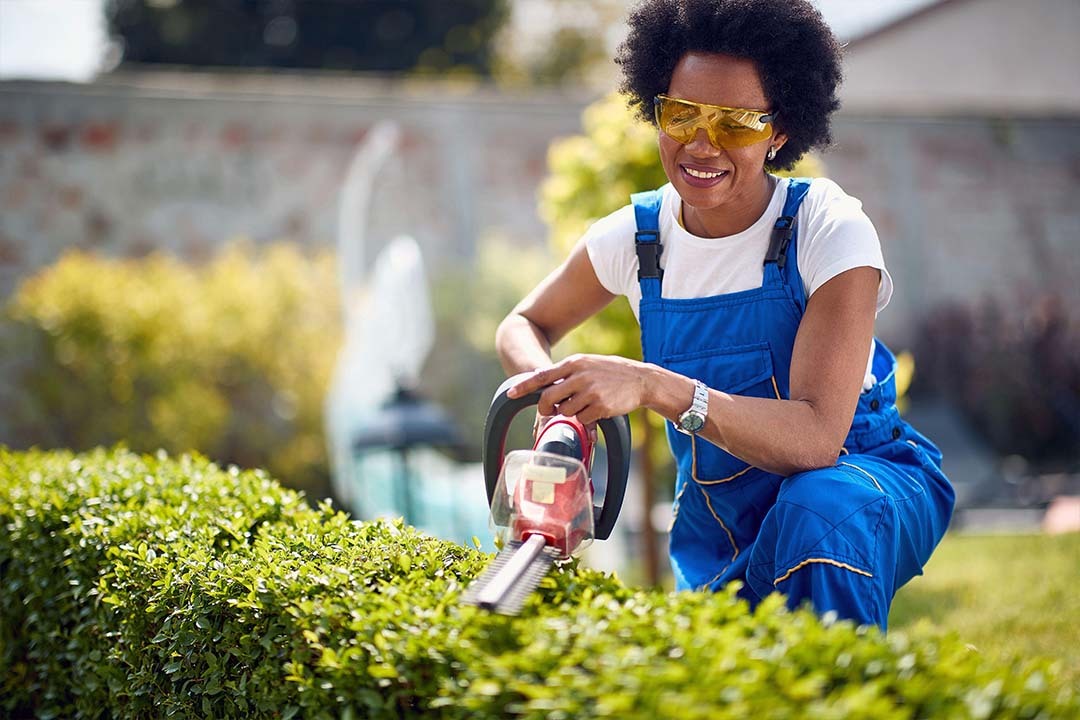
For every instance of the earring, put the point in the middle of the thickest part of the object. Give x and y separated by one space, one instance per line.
772 153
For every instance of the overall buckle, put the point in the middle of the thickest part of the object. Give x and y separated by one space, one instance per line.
781 237
649 250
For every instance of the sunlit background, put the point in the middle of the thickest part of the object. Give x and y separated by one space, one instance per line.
67 39
282 234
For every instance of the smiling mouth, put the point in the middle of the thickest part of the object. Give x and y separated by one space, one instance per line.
703 174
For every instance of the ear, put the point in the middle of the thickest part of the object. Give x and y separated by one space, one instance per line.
778 140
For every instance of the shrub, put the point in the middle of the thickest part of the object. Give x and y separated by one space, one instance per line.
141 586
231 358
1013 370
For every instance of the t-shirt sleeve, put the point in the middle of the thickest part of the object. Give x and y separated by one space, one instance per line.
609 242
838 236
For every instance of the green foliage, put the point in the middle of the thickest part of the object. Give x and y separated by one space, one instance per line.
568 55
151 587
592 175
386 37
569 47
231 359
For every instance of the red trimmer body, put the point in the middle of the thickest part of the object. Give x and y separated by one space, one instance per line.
550 503
542 507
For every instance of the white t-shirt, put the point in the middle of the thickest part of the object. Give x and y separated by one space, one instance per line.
833 235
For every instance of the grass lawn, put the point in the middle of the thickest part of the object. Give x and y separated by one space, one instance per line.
1004 594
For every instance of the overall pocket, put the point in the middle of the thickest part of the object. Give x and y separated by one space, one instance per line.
745 370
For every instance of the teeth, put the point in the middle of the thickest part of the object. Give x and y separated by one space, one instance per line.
698 174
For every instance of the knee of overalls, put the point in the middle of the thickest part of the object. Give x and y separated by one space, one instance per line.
828 540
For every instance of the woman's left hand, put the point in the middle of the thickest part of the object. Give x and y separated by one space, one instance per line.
590 387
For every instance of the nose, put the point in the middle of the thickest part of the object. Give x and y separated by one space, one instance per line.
702 146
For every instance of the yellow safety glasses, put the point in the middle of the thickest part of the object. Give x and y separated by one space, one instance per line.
726 127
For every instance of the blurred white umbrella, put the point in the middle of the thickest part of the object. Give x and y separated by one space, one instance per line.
364 377
382 434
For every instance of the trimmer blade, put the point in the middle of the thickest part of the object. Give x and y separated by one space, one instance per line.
515 572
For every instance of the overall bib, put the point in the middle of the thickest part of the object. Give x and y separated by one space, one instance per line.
844 537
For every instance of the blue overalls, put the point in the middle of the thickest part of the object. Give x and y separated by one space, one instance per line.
844 537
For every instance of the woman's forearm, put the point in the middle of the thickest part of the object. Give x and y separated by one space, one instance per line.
779 436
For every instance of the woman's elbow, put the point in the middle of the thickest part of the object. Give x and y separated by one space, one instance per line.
822 440
815 460
820 453
502 331
506 333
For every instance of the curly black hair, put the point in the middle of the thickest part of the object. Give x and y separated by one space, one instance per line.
794 50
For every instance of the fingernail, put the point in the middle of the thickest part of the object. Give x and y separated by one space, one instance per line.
512 392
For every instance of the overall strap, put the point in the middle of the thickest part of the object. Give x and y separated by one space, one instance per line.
647 241
784 229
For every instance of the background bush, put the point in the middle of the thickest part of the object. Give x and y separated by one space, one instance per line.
231 358
1013 372
138 586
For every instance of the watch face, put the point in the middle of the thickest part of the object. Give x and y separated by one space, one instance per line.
691 422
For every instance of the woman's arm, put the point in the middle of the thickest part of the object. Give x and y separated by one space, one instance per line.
781 436
562 301
828 364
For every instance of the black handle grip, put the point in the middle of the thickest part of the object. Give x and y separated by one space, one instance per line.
502 412
616 433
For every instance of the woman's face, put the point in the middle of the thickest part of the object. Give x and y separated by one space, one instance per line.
735 179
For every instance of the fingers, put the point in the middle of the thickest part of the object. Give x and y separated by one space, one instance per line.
589 417
526 386
564 389
552 399
539 379
576 401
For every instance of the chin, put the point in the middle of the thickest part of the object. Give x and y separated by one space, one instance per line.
702 198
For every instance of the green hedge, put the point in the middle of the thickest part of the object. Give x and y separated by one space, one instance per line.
141 586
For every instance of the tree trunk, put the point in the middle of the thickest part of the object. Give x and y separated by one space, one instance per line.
649 545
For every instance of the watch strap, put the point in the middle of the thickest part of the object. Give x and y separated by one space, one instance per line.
693 419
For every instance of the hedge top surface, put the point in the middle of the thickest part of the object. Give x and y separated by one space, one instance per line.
142 586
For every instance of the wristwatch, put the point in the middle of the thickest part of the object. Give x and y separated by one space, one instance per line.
691 421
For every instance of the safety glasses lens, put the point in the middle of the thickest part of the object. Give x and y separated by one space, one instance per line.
725 127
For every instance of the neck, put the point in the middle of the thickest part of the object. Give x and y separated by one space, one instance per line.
734 216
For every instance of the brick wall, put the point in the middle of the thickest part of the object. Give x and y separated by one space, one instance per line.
966 207
186 162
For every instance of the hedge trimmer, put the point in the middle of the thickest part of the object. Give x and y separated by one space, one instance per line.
542 500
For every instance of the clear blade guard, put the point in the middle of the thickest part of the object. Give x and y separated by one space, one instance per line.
542 493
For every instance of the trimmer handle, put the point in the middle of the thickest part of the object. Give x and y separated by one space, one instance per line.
616 433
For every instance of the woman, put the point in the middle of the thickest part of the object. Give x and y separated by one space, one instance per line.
756 297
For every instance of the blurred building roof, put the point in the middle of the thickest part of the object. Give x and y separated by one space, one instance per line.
969 57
